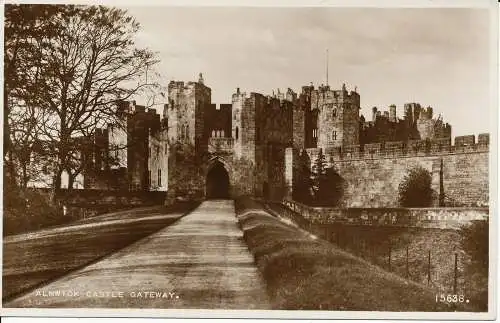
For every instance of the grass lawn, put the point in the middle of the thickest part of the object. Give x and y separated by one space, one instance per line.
312 274
38 257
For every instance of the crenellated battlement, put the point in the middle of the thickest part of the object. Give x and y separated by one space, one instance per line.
426 114
410 148
181 86
175 85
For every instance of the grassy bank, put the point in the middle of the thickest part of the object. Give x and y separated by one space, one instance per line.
405 251
312 274
35 258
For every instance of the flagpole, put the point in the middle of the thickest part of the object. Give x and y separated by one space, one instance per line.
327 66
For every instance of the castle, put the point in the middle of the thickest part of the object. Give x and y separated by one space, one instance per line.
250 146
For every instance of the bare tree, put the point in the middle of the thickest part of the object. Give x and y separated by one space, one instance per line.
24 130
28 31
92 65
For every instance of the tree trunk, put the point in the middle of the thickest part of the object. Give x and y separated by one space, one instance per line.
56 185
10 170
71 180
25 178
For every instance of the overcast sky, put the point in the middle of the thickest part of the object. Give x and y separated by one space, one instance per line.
437 57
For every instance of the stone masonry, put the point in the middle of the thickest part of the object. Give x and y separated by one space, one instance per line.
257 139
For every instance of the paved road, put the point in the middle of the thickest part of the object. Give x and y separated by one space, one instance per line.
201 261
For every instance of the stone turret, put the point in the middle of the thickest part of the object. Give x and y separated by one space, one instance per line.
392 113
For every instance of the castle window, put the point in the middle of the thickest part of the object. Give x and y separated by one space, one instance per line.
187 131
334 113
334 135
159 177
237 133
223 134
166 149
213 133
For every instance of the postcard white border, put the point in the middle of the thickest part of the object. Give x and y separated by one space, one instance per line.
280 314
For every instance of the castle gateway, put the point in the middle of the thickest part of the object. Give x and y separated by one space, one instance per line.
251 145
217 181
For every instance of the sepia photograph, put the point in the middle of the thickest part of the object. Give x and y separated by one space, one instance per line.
269 161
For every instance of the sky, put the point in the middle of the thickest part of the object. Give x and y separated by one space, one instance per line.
437 57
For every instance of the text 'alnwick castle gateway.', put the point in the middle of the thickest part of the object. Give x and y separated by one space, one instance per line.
251 146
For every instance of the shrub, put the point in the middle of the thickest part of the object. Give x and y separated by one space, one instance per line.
331 189
29 210
415 190
475 243
327 184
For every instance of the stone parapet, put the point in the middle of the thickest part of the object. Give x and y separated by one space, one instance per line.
438 218
220 145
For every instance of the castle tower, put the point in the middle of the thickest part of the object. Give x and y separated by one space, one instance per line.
392 113
158 155
408 107
338 118
425 124
238 102
187 105
374 114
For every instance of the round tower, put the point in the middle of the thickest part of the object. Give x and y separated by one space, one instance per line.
338 118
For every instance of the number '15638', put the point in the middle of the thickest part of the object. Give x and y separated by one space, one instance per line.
451 298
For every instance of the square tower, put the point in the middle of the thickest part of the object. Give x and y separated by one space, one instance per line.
186 113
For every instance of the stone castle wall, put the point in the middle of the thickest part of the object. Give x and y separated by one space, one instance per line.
373 178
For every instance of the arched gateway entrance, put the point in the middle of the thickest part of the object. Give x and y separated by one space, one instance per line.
217 184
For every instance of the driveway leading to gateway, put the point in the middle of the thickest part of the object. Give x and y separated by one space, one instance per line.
201 262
